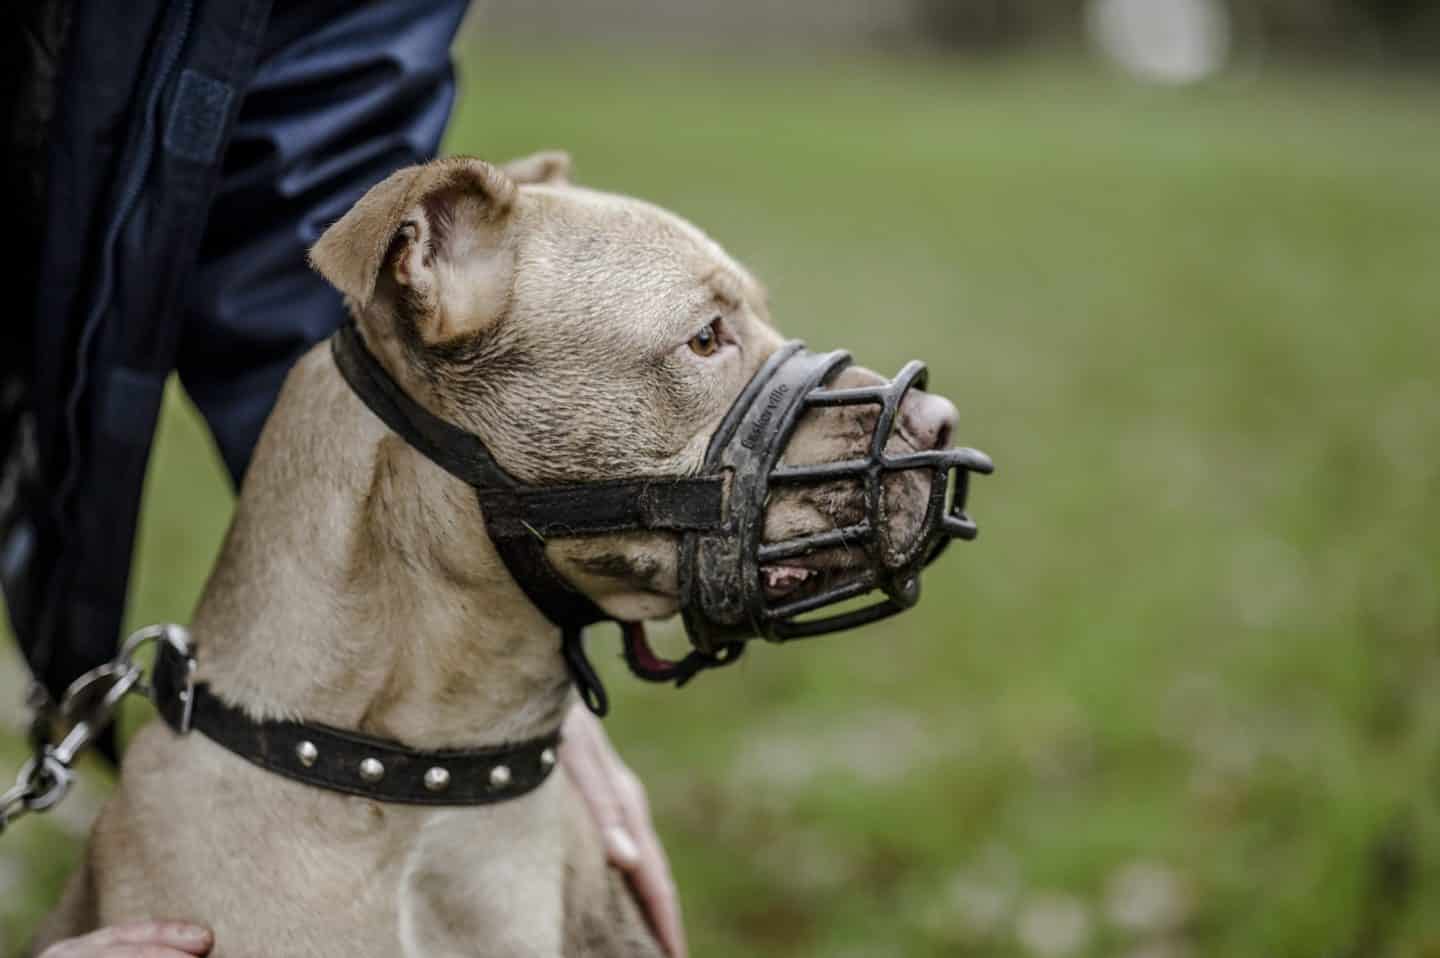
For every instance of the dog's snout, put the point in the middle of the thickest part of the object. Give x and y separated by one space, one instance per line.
928 419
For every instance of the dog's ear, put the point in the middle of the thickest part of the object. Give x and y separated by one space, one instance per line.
549 166
433 237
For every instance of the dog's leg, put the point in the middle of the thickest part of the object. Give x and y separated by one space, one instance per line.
602 917
611 927
75 915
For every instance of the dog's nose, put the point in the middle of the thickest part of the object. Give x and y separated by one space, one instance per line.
928 419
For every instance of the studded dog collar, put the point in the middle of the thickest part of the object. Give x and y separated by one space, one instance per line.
344 761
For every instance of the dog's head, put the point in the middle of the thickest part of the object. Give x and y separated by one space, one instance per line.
587 336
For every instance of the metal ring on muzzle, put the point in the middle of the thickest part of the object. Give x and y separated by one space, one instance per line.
723 597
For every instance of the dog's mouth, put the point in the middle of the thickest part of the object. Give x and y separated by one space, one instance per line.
806 576
788 583
826 509
791 581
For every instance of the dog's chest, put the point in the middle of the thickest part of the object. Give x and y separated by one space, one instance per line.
484 881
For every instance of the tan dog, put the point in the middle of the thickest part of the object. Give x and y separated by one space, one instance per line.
583 336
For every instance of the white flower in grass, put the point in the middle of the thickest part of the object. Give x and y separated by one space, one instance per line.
1146 898
1054 926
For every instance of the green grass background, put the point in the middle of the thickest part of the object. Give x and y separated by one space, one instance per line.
1200 632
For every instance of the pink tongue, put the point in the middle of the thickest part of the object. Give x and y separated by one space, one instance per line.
640 649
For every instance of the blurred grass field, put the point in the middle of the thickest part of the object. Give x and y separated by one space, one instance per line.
1183 695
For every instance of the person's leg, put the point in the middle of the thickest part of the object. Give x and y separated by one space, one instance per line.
345 94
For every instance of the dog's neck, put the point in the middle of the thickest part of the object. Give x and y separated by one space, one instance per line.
357 588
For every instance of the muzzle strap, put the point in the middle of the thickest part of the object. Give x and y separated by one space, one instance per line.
458 452
683 504
670 505
519 517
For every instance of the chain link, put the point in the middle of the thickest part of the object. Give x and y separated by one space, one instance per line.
87 708
14 802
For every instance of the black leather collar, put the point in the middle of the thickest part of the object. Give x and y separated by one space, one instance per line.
348 762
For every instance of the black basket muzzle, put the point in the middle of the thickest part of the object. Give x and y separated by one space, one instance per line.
723 596
719 513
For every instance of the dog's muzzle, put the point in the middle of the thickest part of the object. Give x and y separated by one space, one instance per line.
722 580
719 513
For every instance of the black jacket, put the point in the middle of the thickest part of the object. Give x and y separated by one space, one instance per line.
169 164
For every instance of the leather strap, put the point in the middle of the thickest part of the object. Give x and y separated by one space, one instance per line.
341 761
458 452
661 503
519 516
674 505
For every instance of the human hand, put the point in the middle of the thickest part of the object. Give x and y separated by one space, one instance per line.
617 801
138 939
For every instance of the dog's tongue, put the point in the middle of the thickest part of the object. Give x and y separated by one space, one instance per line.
641 654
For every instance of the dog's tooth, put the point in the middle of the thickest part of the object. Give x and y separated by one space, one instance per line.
783 576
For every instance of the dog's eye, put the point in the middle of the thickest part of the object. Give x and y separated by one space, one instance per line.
705 342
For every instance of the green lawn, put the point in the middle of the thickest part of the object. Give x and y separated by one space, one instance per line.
1184 692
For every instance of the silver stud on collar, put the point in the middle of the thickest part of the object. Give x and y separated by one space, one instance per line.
437 779
547 758
371 770
500 776
307 753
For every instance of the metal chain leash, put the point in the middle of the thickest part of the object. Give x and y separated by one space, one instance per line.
87 708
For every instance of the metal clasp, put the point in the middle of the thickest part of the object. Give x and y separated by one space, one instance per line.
43 781
85 710
177 639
